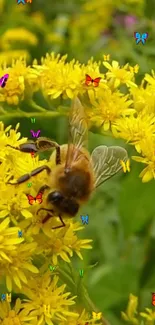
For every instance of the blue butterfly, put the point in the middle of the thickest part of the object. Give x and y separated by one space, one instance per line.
85 220
140 37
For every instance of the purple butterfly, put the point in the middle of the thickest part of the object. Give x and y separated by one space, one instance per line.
3 80
35 134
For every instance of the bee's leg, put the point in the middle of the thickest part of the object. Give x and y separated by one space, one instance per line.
25 147
62 225
58 156
43 188
34 172
50 216
44 144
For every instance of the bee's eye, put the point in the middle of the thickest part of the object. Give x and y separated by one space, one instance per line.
55 196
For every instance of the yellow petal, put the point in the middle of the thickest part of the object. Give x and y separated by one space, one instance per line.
17 281
115 64
116 83
107 65
4 224
147 176
22 276
4 213
41 320
106 126
124 316
14 241
57 94
5 256
69 93
27 214
30 267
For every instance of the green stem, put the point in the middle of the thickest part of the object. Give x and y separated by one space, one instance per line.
92 306
37 107
20 114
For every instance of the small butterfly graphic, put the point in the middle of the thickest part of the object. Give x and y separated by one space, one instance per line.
140 37
3 80
94 82
106 57
32 200
35 134
85 219
125 165
153 299
96 316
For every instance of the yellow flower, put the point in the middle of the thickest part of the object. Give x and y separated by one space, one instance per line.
135 129
14 204
8 239
143 98
16 314
150 79
14 90
119 75
59 78
83 318
131 310
148 152
47 301
149 315
8 56
61 243
109 107
18 35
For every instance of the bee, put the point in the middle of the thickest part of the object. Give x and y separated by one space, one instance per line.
77 173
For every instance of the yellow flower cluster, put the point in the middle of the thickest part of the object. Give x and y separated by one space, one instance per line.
118 104
47 300
132 316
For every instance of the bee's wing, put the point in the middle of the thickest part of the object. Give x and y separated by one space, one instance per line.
106 162
78 132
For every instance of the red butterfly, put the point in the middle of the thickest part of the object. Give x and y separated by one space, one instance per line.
153 298
90 81
32 199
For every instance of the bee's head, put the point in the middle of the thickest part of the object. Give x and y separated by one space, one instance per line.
55 197
63 204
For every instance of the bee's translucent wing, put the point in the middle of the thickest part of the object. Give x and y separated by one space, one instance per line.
78 132
106 162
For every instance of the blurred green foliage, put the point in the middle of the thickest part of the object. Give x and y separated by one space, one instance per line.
122 211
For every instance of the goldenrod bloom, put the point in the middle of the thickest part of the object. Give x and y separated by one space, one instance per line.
131 310
47 300
109 107
18 35
14 90
135 129
83 318
16 314
9 55
119 75
149 315
61 243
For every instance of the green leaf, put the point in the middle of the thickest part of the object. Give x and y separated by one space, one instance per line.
136 202
114 287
